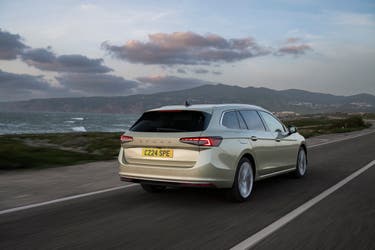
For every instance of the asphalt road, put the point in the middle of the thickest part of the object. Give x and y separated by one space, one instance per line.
204 219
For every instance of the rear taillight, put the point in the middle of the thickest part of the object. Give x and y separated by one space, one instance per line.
211 141
125 138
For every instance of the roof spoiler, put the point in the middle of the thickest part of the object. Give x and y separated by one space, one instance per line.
187 103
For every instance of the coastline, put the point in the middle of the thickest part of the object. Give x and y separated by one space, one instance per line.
39 151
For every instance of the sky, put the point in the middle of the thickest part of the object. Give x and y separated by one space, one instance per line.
113 48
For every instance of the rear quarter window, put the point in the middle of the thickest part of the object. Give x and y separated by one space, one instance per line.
172 121
230 120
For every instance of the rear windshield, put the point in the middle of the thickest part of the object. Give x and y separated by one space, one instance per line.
172 121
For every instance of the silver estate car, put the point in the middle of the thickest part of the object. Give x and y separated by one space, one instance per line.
225 146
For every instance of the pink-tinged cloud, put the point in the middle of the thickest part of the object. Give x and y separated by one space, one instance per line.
295 50
186 48
293 46
293 40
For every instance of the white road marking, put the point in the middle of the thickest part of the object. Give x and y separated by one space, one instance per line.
257 237
11 210
131 185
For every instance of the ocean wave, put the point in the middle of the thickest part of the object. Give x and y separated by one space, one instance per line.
20 122
120 125
18 125
79 129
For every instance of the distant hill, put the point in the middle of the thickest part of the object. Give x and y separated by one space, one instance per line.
285 100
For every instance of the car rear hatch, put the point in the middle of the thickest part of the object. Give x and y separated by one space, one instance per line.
154 140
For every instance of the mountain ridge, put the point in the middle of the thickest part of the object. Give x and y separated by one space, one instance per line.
296 100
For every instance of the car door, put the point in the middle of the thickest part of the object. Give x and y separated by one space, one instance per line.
234 139
261 140
285 149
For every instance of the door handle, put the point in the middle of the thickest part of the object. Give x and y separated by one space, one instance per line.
254 138
277 139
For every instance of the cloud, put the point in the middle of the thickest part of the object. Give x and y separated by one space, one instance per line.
186 48
353 19
109 85
200 71
293 46
181 71
161 83
14 87
11 45
99 85
197 71
45 59
294 49
22 86
293 40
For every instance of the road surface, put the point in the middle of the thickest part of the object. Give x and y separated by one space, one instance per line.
203 219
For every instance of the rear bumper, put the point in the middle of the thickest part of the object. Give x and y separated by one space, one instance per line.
168 182
207 172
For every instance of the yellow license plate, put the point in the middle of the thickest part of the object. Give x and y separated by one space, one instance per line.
157 152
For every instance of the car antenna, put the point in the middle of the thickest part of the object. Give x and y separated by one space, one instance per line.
187 103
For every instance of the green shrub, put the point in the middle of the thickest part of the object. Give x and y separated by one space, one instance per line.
350 122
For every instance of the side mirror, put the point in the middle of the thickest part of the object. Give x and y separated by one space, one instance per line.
292 130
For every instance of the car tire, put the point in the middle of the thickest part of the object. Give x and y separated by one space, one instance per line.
153 188
243 182
301 166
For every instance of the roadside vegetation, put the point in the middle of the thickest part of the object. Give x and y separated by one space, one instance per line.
36 151
314 126
370 116
60 149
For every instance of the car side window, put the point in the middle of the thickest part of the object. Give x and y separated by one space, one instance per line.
252 120
241 121
273 124
230 120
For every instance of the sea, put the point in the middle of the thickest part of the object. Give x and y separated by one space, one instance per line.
50 122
